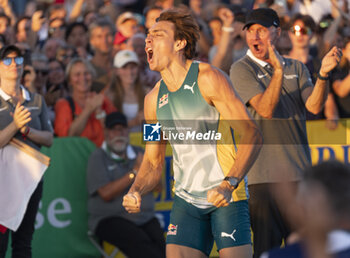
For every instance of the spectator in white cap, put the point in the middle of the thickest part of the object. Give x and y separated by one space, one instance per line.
127 92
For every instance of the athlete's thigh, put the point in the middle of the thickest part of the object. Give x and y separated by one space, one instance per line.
243 251
180 251
189 227
231 225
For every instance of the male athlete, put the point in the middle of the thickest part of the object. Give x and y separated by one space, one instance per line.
210 189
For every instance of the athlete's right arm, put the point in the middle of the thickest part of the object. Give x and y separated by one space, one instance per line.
152 164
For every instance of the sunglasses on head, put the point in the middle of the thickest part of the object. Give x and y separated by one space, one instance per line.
8 60
297 30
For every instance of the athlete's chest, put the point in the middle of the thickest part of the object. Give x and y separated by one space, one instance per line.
186 103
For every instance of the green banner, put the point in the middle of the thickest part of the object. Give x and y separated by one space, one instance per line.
61 224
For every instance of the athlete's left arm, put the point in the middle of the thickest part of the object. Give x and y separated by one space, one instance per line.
318 96
218 91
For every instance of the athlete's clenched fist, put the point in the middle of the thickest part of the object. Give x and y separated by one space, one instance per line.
132 202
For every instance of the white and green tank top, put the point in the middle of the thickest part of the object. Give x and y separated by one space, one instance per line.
203 145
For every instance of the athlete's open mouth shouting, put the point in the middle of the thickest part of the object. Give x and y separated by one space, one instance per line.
149 52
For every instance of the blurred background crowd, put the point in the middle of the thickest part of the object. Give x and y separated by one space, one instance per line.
87 56
87 59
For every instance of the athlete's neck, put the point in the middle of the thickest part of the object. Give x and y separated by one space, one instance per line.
174 75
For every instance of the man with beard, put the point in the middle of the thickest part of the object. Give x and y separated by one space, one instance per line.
111 171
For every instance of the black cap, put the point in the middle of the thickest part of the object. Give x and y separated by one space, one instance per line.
263 16
4 51
115 118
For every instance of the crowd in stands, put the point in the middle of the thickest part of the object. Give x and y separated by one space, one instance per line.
87 57
53 34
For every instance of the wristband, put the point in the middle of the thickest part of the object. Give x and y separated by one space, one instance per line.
26 132
322 78
228 29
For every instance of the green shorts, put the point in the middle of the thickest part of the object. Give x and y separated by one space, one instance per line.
198 228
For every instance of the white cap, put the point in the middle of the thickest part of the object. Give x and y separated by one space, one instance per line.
124 17
124 57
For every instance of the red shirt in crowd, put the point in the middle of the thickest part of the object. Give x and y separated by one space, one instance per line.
93 129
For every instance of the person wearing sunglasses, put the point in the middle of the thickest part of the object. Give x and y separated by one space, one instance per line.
302 28
301 31
23 115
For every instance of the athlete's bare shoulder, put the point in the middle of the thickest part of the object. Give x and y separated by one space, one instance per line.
210 73
210 79
150 105
204 68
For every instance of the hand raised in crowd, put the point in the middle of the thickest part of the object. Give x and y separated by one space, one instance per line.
226 16
330 61
37 21
220 196
276 59
21 116
4 3
93 102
